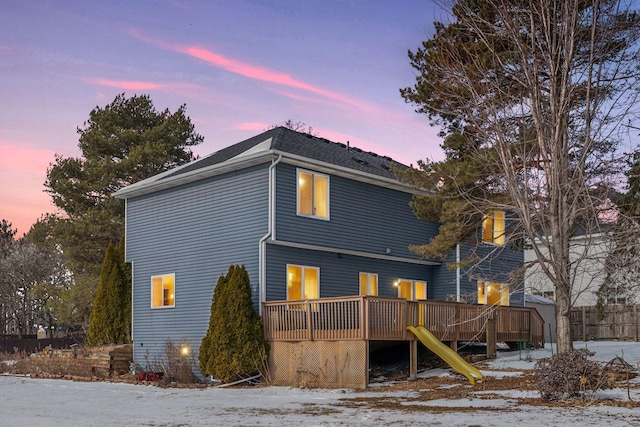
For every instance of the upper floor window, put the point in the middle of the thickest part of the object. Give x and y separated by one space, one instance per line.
313 194
491 293
368 284
303 282
163 291
493 228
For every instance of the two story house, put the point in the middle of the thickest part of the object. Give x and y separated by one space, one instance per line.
309 218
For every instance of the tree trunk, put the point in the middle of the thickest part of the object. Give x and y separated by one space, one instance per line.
563 323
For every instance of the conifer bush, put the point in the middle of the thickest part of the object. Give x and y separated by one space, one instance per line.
234 346
110 320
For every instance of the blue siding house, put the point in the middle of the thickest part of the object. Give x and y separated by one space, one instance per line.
309 219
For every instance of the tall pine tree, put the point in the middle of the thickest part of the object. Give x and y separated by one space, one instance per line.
121 143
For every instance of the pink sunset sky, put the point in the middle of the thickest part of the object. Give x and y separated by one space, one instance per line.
238 65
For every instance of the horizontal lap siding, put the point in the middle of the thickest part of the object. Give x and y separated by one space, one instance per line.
195 231
499 262
363 217
339 275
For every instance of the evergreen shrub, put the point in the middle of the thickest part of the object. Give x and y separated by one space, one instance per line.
234 346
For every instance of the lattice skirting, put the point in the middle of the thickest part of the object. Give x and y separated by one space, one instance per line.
324 364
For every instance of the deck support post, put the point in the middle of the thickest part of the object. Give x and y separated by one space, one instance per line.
454 345
413 358
491 338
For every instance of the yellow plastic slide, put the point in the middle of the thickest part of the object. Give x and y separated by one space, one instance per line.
445 353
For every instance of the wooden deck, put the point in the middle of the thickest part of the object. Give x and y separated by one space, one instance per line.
386 319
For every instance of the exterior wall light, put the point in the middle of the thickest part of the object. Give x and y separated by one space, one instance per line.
185 350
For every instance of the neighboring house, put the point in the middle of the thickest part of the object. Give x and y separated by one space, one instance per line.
309 218
588 253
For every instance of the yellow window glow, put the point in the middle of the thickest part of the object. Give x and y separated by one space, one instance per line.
404 289
373 284
482 299
302 282
320 196
498 228
363 283
421 290
294 282
156 292
310 283
412 289
305 193
368 284
313 194
493 228
504 295
163 291
487 229
493 294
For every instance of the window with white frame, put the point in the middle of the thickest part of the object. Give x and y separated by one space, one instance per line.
412 290
303 282
491 293
313 194
493 228
368 284
163 291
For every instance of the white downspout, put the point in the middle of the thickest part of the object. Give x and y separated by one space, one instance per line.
262 265
458 272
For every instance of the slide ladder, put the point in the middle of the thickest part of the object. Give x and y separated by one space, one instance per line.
443 351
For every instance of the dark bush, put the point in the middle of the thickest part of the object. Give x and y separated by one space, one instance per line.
234 346
110 320
569 375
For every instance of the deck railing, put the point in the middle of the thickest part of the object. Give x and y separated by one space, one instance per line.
380 318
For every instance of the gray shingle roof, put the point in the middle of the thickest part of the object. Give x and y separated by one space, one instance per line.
304 145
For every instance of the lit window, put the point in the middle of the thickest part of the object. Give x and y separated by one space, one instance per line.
313 194
368 284
491 293
302 282
163 291
493 228
412 289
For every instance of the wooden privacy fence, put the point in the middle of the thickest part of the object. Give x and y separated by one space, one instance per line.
380 318
615 322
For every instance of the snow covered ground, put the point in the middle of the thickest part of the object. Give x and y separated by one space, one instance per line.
40 402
